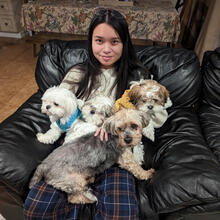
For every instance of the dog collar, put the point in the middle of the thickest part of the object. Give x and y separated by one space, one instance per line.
68 124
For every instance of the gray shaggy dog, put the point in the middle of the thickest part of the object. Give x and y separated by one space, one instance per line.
73 166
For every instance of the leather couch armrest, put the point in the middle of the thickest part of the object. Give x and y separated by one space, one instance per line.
187 172
20 151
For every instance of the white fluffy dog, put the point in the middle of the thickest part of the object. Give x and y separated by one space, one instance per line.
1 217
71 115
152 98
62 107
93 113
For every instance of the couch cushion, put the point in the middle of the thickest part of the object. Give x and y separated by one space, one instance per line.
187 170
176 68
20 151
55 59
209 111
204 211
210 123
211 78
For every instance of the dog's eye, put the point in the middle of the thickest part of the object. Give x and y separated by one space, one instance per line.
119 129
92 112
155 100
56 104
134 126
144 101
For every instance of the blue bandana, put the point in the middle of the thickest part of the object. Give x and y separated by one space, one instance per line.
68 124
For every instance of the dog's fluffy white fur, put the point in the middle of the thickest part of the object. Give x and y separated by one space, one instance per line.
60 104
1 217
138 152
93 113
152 98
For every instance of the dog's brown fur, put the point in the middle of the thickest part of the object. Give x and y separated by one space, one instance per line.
126 125
138 93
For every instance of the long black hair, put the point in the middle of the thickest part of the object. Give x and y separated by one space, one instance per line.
126 67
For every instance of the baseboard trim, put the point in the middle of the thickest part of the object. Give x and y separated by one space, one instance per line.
18 35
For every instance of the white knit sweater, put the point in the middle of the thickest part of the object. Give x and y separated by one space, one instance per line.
105 82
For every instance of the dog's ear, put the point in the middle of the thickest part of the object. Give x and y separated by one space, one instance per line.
134 93
80 103
145 119
168 103
108 111
109 125
70 104
165 92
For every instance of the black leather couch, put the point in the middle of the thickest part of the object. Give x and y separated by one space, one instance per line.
186 185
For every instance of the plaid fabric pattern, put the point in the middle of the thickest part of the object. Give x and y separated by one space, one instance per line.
115 190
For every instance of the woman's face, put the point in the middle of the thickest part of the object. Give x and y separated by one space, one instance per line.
106 45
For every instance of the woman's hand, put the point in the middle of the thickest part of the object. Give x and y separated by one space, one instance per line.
102 134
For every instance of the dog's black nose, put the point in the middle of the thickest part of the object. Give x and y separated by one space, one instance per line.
92 112
150 107
128 140
48 107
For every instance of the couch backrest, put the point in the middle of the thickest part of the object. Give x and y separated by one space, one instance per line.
55 59
211 78
177 69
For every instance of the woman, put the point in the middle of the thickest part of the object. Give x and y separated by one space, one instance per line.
111 65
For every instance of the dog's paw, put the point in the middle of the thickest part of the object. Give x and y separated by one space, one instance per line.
81 199
39 136
148 174
44 139
90 196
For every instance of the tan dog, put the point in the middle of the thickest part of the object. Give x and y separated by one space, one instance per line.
152 98
74 165
126 127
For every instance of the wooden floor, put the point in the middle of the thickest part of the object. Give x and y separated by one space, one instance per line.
17 81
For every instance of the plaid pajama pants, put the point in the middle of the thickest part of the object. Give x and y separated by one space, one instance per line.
115 190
